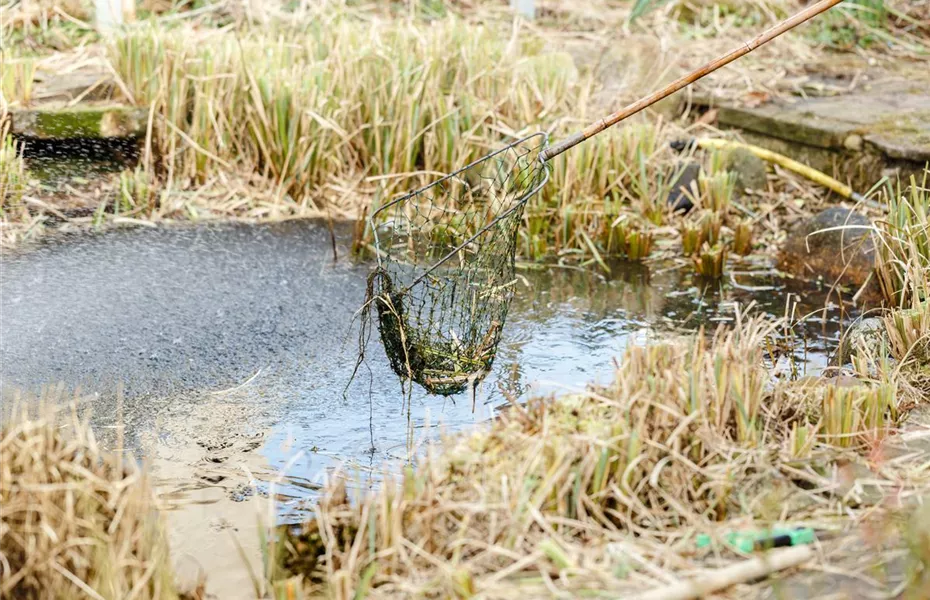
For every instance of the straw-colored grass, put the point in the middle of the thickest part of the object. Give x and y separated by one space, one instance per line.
903 243
711 261
338 107
909 331
12 173
742 237
17 75
343 99
690 433
76 521
349 111
352 111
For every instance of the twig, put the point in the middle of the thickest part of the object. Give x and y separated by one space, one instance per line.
717 580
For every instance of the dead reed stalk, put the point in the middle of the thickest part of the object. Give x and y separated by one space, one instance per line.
76 521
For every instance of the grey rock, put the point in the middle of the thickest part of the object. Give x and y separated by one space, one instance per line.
868 335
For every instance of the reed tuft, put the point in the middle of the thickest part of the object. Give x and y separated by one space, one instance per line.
711 260
77 521
903 243
12 172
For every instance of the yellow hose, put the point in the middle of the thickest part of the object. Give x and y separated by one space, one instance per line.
792 165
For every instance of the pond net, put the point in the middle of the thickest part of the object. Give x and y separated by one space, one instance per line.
445 274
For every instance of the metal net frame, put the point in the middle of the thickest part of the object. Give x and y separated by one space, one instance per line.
444 279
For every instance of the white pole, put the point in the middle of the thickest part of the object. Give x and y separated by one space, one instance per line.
526 8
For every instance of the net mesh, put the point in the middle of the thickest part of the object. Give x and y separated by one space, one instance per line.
445 274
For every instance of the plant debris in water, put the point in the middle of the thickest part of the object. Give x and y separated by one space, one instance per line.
444 281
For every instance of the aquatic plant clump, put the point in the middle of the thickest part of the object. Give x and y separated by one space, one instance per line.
445 272
902 237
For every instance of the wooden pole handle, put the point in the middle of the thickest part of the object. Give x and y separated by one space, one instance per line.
763 38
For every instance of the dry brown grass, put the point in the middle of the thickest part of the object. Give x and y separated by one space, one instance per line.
338 106
602 490
76 521
902 239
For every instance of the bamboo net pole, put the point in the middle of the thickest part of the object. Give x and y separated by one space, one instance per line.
682 82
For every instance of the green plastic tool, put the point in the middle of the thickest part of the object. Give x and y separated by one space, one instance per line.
777 537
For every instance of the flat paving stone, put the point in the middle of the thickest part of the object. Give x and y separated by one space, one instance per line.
81 121
890 115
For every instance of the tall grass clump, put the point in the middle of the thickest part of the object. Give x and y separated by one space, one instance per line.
351 110
701 230
710 261
594 190
338 99
742 237
12 172
855 415
138 191
903 244
17 76
717 187
908 330
76 521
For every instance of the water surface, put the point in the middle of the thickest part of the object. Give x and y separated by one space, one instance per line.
242 339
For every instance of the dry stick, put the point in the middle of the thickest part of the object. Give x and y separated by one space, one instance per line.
765 37
761 566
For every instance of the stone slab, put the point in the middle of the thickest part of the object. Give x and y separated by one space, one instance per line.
91 83
104 121
890 116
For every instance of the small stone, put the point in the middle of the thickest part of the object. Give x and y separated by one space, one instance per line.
840 381
853 142
750 170
835 245
892 173
843 381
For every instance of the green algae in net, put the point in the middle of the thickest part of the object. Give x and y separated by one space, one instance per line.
445 274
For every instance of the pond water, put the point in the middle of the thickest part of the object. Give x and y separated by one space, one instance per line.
221 355
239 341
